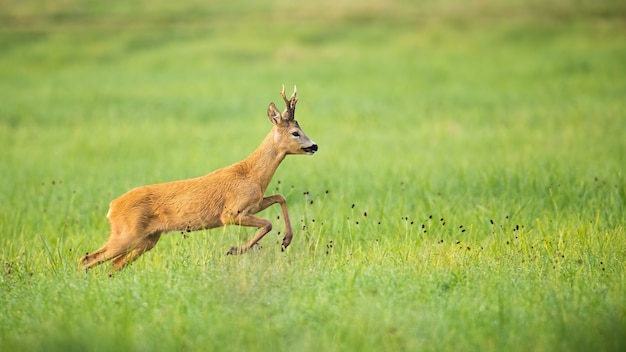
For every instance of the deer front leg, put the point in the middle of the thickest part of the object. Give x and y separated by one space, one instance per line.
254 221
277 198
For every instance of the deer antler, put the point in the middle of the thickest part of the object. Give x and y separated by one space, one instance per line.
290 112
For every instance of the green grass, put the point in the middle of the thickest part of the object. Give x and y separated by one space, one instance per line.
468 194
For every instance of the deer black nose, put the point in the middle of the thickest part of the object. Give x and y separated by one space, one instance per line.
312 149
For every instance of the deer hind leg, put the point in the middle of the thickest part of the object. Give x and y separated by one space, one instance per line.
114 246
132 253
94 258
118 249
111 249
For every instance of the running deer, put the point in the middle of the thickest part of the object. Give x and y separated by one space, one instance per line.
228 196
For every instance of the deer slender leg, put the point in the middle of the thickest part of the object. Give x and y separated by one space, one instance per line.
277 198
111 249
94 258
252 221
147 244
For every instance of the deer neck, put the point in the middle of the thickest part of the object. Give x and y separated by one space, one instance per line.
263 162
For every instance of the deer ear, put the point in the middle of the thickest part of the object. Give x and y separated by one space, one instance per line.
273 114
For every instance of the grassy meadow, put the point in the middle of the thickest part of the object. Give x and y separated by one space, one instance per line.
468 194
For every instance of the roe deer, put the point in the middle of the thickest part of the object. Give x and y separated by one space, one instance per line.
228 196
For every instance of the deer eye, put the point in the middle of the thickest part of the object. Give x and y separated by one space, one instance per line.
295 134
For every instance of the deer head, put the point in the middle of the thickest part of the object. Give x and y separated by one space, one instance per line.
287 131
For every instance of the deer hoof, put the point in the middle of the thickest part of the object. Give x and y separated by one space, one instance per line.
234 251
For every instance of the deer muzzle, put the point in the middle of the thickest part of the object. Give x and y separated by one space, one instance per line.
310 150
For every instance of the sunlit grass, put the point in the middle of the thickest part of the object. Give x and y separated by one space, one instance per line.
468 193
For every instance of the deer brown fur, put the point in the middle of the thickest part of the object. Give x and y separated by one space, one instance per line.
228 196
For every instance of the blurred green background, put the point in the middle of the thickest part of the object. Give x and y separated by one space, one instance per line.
504 120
